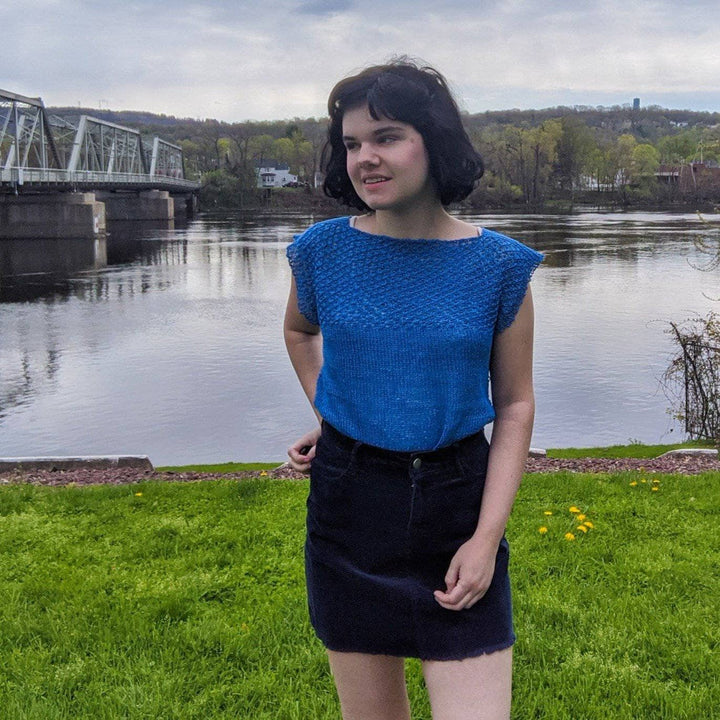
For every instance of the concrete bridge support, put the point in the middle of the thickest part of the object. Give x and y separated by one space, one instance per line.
145 205
186 205
57 215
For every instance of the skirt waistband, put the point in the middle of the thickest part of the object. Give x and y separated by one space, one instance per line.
442 454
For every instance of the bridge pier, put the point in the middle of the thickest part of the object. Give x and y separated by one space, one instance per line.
144 205
56 215
186 204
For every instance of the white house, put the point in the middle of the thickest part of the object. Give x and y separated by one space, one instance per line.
273 174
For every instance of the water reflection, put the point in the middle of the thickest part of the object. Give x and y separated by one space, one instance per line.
147 242
31 269
174 349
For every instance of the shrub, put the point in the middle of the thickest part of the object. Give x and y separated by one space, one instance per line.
692 380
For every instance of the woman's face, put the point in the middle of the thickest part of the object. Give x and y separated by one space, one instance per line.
387 161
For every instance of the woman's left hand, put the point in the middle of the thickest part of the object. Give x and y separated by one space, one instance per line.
469 575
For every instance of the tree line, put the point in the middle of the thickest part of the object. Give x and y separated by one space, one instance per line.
535 160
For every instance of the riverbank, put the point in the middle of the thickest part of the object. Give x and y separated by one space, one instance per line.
665 463
313 201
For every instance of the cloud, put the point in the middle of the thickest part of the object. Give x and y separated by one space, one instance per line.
278 60
324 7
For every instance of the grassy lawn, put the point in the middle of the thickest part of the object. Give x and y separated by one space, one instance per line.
186 600
633 450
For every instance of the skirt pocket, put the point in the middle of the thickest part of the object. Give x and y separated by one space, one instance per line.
453 495
331 479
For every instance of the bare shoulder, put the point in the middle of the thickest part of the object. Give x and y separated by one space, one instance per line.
459 230
364 222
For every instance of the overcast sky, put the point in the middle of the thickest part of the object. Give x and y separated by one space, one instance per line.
276 59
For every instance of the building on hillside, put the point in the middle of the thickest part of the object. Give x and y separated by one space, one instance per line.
692 178
272 174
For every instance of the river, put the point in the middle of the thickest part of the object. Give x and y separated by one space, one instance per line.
173 349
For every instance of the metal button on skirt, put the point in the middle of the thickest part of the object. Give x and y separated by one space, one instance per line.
382 527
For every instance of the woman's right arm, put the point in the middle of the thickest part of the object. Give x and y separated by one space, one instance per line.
304 346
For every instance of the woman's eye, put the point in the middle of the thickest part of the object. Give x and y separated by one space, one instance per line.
350 146
387 139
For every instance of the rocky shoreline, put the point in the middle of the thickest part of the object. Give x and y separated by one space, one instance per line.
77 477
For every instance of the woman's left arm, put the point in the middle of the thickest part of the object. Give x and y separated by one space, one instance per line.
472 568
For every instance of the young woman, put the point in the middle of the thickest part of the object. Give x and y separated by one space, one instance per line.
398 321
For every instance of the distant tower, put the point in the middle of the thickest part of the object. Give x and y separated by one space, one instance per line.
636 103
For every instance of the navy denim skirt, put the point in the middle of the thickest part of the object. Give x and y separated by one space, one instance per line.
382 527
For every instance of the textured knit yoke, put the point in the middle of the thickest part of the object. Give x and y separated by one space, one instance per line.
407 328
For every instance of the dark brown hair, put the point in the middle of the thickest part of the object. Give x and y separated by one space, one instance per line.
404 91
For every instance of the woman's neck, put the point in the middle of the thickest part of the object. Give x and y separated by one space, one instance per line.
421 223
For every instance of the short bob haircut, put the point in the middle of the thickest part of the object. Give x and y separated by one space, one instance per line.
419 96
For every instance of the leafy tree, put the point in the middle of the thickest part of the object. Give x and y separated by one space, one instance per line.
575 149
220 189
495 191
283 150
261 147
680 148
603 168
534 151
645 161
191 152
620 157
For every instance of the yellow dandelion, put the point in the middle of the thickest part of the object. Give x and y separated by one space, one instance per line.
138 494
573 509
548 512
581 517
569 536
656 481
588 524
542 530
654 488
582 528
263 473
633 483
643 480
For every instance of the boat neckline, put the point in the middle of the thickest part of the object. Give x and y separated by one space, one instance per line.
470 238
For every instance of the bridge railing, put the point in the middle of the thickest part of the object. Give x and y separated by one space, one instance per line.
101 146
166 159
20 176
25 136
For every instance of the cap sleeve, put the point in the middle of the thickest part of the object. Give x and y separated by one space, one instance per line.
520 264
300 257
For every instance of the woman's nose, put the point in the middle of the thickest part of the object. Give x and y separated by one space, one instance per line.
367 156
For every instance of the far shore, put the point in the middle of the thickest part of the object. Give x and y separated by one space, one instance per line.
295 200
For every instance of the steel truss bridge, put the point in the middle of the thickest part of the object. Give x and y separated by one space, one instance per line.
40 153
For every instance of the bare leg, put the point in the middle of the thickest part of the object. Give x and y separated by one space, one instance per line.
477 688
370 687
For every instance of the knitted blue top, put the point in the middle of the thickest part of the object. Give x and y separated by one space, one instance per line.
407 328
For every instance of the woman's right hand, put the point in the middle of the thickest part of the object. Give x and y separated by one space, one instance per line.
301 461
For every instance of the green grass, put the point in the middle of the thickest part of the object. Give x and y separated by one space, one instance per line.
632 450
224 468
186 600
